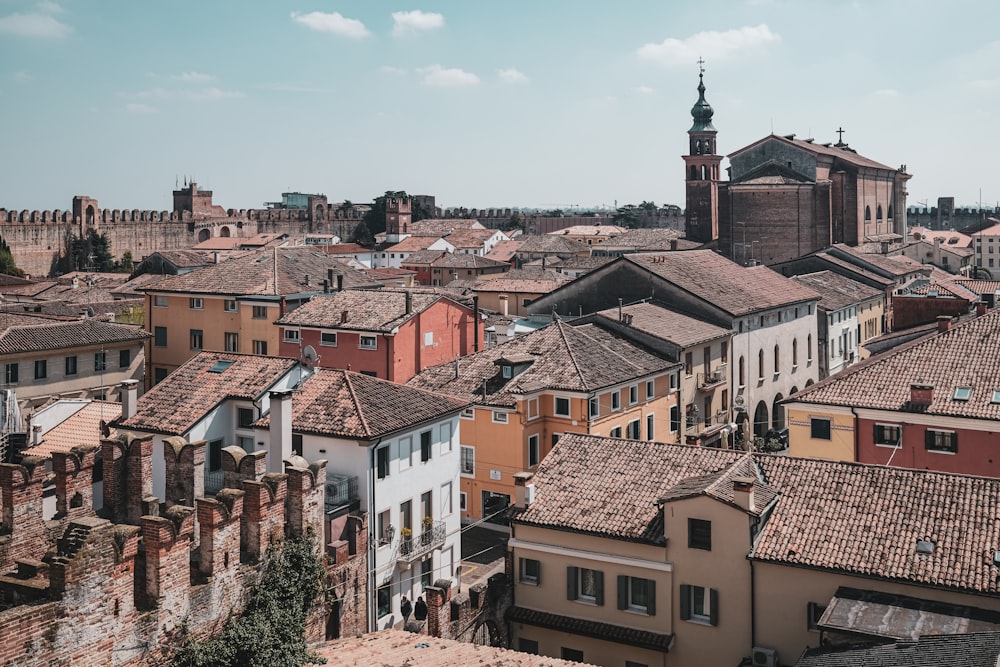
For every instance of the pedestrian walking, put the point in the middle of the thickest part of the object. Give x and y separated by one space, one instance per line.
405 609
420 611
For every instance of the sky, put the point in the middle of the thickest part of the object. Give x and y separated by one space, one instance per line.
554 103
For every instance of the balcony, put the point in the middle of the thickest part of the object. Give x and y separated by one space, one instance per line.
416 546
341 491
709 381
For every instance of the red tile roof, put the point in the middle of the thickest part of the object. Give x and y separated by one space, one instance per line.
528 281
961 357
583 358
668 325
712 278
64 335
81 428
342 404
837 291
189 393
367 310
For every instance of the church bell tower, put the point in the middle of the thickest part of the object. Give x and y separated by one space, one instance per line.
701 213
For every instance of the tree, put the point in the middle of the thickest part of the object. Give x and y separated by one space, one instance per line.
7 264
515 222
90 253
362 235
627 216
127 264
271 629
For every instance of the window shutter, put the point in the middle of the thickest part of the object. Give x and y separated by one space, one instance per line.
622 591
651 597
599 584
571 579
685 602
538 569
713 603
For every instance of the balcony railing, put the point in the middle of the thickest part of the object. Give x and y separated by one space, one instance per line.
416 546
214 481
711 380
341 490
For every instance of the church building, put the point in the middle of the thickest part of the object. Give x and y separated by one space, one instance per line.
787 197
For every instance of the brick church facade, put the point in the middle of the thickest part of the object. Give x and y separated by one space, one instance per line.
787 197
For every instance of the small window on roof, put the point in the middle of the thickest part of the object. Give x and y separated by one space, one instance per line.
996 396
221 365
925 547
962 393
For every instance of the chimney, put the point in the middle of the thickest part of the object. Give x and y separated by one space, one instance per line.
504 299
281 431
524 490
981 308
343 316
409 303
475 323
36 435
543 262
458 366
673 244
743 492
215 257
307 280
326 286
340 282
944 323
921 394
129 397
329 277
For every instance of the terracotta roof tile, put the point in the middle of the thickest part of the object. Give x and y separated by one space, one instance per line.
189 393
442 226
590 230
582 358
668 325
343 404
81 428
467 261
63 335
367 310
271 272
535 243
504 251
837 291
423 257
945 361
413 244
980 649
621 634
531 281
711 277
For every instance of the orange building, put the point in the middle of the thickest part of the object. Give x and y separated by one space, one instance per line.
528 392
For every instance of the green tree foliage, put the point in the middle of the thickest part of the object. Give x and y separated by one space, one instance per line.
127 264
7 264
271 630
515 222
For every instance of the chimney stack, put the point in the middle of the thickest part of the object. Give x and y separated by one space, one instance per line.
944 323
673 244
409 303
215 257
524 490
340 282
281 431
343 316
743 492
981 308
129 397
36 435
504 299
921 394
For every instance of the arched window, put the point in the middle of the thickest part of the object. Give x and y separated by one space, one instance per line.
704 173
878 212
742 372
694 173
890 212
795 352
760 365
777 360
868 212
809 347
697 147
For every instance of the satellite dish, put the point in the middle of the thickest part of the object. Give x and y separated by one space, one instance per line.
738 400
309 356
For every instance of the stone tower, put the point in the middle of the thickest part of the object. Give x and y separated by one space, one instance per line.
398 217
701 216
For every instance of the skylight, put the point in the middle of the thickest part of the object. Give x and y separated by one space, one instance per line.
996 396
962 393
221 365
925 547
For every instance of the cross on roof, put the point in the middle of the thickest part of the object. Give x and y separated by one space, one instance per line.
840 135
701 65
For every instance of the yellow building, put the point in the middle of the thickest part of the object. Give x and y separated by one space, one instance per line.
533 389
232 306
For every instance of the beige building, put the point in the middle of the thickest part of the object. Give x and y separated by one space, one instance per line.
643 553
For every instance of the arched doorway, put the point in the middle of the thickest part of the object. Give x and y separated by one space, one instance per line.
91 213
204 235
742 430
778 414
760 420
224 232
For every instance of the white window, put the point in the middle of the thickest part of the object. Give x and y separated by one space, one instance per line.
616 400
700 604
637 594
499 417
160 301
446 501
468 466
230 306
196 303
616 432
595 407
633 394
529 571
405 452
561 406
532 408
650 421
632 430
533 451
384 528
428 338
291 336
585 585
368 343
469 413
463 501
887 435
650 389
508 371
328 338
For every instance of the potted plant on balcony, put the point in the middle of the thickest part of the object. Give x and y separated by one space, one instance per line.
405 541
425 537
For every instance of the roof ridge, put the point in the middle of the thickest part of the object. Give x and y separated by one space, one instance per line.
561 326
357 402
632 364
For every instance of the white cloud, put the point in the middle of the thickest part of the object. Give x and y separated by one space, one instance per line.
886 93
192 77
294 88
210 94
447 77
644 90
334 23
33 25
712 43
389 69
136 107
152 93
511 75
21 76
50 7
985 84
408 22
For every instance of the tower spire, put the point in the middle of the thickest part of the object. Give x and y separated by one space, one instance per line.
702 111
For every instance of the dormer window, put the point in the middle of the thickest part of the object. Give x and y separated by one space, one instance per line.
962 393
996 396
508 371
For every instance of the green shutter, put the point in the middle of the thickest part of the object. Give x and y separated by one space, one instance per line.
571 579
714 606
599 583
622 591
685 602
651 597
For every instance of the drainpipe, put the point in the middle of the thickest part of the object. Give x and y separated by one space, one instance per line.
372 544
475 323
